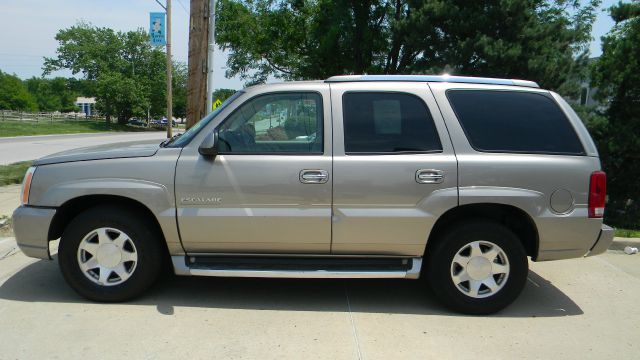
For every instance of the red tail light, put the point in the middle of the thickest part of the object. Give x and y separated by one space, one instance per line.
597 194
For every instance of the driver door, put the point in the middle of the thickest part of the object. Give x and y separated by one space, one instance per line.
269 188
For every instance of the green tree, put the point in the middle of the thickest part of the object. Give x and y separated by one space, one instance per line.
14 95
222 94
180 77
545 41
53 94
125 59
617 76
120 96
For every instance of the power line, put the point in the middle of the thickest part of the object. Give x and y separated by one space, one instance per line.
183 7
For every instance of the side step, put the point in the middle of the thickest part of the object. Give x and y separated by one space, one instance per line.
297 267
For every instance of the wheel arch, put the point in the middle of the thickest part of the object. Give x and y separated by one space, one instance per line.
514 218
73 207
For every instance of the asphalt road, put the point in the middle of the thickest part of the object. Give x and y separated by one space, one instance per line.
22 148
572 309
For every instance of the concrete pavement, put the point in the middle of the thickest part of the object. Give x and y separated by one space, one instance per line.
572 309
9 199
22 148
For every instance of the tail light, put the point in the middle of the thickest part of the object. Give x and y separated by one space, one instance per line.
597 194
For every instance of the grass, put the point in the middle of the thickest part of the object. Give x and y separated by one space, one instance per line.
13 173
627 233
17 128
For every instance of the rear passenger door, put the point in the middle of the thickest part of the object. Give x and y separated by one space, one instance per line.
394 168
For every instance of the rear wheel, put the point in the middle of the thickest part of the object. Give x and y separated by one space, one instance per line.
109 254
477 267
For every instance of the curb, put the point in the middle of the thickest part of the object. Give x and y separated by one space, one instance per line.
620 243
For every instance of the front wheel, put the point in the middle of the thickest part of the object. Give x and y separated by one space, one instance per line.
109 254
478 267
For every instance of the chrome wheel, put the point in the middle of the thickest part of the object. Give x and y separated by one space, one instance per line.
480 269
107 256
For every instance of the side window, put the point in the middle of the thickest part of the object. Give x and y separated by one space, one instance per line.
380 122
514 121
274 123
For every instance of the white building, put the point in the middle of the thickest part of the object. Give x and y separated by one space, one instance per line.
86 104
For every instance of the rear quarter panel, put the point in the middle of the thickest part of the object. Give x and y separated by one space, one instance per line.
529 181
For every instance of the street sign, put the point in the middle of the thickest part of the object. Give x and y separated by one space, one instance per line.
216 104
156 28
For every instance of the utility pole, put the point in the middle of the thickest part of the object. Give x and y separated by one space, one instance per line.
169 73
196 83
212 45
167 8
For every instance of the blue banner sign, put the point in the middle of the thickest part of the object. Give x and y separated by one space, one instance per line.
156 28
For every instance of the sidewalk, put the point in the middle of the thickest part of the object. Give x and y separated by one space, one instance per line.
9 199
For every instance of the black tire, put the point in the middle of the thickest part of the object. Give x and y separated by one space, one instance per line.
140 231
439 262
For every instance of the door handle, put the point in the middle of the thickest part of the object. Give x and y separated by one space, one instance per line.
429 176
314 176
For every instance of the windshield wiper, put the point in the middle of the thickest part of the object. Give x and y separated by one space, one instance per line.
168 141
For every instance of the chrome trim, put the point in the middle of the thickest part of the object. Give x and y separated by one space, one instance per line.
181 268
297 255
314 176
429 176
416 267
433 78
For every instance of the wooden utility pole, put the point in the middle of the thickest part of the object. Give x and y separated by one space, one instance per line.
169 71
198 44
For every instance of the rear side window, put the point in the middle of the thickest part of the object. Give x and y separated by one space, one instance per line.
379 122
512 121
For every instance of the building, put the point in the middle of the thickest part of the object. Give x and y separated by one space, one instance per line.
86 105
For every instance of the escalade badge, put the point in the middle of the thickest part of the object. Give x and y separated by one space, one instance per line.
200 200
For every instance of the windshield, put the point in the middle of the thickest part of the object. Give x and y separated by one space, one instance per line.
195 129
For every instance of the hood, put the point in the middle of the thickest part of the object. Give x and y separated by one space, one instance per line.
107 151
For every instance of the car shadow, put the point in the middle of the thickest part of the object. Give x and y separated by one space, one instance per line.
41 281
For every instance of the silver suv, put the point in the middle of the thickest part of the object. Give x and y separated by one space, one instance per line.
454 179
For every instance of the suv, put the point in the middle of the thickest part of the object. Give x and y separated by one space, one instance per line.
455 179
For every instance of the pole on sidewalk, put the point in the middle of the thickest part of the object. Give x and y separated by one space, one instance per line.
169 71
211 49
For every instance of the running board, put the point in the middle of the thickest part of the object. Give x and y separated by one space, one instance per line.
313 267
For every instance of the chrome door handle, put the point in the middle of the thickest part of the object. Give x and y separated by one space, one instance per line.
314 176
429 176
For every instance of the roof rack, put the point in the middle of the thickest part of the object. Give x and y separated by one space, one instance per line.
433 78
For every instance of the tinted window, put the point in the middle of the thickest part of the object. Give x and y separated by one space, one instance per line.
511 121
387 123
274 123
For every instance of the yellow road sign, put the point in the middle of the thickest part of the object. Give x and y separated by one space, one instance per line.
216 104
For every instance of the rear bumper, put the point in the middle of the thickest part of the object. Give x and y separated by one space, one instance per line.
31 227
604 241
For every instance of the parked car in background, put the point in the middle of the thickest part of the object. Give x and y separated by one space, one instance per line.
137 122
458 180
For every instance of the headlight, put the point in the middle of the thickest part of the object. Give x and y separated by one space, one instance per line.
26 185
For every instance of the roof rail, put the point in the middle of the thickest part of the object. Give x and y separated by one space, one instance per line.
433 78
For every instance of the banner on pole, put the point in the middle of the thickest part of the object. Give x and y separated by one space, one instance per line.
156 28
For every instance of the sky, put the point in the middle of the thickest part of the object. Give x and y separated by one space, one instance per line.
28 28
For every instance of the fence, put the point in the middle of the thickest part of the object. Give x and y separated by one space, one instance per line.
50 117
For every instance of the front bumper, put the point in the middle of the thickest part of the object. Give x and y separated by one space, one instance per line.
31 227
604 241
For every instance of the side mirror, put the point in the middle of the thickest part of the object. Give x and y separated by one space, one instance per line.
209 146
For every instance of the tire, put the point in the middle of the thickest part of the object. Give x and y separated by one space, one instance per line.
110 254
466 257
